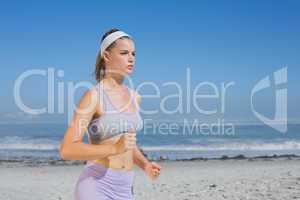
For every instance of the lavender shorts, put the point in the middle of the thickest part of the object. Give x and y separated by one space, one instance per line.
98 182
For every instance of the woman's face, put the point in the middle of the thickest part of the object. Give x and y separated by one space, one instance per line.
121 58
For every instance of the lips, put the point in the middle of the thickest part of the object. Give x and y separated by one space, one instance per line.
130 67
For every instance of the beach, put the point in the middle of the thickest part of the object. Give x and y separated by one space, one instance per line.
210 90
256 163
213 179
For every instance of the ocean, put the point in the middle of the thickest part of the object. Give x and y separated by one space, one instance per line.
41 142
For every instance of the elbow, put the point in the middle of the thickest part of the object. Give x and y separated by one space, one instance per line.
65 152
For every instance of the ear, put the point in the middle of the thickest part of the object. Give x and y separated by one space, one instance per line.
106 56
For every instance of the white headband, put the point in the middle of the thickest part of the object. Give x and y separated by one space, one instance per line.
108 40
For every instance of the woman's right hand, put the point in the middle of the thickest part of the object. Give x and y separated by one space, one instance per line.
126 142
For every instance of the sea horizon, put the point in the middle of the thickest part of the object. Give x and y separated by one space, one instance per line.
41 141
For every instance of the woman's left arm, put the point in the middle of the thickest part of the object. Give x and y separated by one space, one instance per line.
139 158
152 169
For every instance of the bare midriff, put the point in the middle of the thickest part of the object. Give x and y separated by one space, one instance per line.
123 161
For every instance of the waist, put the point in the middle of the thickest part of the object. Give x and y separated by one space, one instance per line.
119 162
111 176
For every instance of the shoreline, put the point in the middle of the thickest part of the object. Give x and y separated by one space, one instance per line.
59 162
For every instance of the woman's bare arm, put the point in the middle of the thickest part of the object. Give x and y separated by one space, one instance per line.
139 158
72 146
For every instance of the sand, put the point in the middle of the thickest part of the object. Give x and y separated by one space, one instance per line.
206 180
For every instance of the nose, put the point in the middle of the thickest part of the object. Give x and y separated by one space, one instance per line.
131 58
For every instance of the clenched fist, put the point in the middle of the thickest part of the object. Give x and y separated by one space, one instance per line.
126 142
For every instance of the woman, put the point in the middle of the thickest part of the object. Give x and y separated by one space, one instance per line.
109 113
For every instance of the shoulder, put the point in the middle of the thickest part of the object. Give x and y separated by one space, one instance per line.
92 92
89 98
137 96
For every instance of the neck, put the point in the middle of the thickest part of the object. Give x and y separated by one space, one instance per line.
114 81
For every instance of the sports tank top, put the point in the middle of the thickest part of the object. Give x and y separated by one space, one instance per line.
113 121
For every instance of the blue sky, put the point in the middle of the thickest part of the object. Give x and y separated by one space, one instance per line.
220 41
